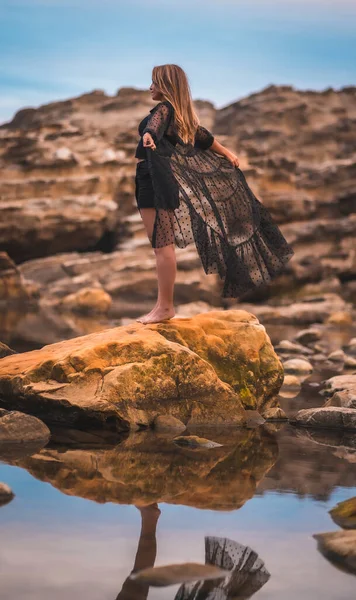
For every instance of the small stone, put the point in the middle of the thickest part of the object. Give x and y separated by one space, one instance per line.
88 300
168 423
6 494
350 362
275 414
63 154
19 427
5 350
344 513
351 346
337 356
297 366
343 398
285 346
253 419
306 336
193 441
340 318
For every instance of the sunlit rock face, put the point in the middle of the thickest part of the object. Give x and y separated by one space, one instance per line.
147 468
203 369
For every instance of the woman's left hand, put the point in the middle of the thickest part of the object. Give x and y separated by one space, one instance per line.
232 158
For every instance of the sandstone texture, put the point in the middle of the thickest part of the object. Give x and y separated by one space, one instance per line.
203 369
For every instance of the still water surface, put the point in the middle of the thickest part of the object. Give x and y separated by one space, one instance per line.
73 529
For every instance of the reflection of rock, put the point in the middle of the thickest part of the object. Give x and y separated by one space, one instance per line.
247 573
146 468
199 370
339 547
344 513
19 427
312 463
6 494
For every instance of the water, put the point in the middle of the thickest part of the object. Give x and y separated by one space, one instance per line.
73 529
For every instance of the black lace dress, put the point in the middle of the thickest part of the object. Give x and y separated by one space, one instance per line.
201 197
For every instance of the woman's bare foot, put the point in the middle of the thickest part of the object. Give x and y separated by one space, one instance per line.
148 314
157 315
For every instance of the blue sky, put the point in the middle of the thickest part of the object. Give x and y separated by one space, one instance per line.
55 49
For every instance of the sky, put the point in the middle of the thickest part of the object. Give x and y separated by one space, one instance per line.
56 49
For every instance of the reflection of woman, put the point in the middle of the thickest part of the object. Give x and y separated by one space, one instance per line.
189 189
145 556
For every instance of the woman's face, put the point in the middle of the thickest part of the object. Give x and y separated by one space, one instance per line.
155 93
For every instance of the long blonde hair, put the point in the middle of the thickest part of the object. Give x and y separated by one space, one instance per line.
173 84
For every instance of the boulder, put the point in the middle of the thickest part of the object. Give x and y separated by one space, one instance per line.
18 427
167 423
203 369
330 417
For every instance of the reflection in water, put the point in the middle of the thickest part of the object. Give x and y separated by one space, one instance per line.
146 468
145 556
248 573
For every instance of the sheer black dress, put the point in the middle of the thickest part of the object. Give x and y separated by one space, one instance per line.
201 197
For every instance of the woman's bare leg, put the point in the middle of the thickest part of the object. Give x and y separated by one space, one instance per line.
166 266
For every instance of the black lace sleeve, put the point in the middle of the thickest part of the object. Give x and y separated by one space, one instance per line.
159 120
203 138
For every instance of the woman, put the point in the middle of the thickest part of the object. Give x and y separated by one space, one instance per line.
189 189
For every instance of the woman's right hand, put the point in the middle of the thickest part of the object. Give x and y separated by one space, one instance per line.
148 141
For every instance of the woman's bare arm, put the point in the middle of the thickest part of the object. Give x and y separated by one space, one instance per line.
220 149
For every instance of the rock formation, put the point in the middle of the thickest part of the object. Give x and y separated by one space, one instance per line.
203 369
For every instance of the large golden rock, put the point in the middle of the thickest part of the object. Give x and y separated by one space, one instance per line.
201 370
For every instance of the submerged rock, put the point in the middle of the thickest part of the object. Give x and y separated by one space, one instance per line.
6 494
19 427
203 369
344 513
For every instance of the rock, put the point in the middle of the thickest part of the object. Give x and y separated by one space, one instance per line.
181 573
307 336
337 356
344 513
6 494
203 369
275 414
19 427
340 318
13 286
339 547
63 154
254 419
193 441
330 417
343 398
285 347
163 423
5 350
291 387
350 362
88 300
297 366
351 347
338 383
